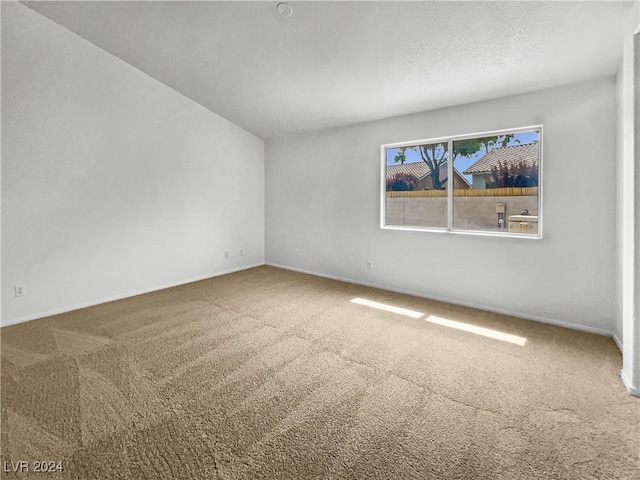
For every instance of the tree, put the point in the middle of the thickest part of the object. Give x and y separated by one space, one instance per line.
402 182
435 155
490 143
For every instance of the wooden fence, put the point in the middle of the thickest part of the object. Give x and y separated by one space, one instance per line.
470 192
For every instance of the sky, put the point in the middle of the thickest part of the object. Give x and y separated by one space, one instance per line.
462 163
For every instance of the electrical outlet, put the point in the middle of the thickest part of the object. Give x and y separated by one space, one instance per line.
226 254
20 291
369 264
241 252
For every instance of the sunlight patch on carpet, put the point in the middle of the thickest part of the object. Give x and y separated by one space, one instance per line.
485 332
387 308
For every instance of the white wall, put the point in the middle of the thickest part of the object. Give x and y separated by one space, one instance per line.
112 183
323 207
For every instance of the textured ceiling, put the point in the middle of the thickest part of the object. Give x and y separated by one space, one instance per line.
336 63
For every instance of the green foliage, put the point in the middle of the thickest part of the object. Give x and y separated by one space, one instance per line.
400 157
402 182
519 174
466 148
471 146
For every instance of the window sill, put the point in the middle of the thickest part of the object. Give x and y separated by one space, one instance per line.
530 236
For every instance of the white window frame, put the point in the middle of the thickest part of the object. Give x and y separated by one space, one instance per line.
450 199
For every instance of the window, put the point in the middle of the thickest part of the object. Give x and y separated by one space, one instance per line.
496 186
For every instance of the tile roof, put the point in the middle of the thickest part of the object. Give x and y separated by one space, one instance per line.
527 152
419 169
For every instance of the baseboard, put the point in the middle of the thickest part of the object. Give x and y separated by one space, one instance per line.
627 383
93 303
617 340
550 321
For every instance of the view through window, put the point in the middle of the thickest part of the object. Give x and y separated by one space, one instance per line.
495 189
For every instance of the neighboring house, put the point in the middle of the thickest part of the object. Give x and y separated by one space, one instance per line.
481 170
421 171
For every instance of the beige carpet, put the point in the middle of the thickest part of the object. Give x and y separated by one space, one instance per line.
273 374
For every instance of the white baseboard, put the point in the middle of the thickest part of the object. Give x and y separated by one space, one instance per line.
93 303
558 323
627 383
617 340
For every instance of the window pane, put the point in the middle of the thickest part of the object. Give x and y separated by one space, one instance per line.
497 189
416 183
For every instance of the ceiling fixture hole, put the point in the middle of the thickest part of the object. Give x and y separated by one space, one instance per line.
284 9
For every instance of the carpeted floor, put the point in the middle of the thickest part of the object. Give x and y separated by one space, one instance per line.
267 374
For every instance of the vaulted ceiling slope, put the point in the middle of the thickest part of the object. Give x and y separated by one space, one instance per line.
338 63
